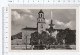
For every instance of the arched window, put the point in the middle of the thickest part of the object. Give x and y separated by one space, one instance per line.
41 15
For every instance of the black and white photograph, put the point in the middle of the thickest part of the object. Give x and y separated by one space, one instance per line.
43 29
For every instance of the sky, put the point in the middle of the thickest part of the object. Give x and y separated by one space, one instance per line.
62 18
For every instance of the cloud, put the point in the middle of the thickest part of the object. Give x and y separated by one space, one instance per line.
15 15
18 14
47 21
63 25
59 22
27 10
68 24
31 17
22 11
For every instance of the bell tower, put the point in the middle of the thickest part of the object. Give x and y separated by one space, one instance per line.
41 21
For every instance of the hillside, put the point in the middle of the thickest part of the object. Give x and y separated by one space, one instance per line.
17 36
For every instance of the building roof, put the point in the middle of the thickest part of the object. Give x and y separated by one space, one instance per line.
59 29
29 28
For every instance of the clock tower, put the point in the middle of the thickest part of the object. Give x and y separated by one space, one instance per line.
41 21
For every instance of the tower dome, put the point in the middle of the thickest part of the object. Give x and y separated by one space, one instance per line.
41 11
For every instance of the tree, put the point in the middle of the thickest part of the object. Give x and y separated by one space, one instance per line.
70 36
51 40
44 37
60 36
34 38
